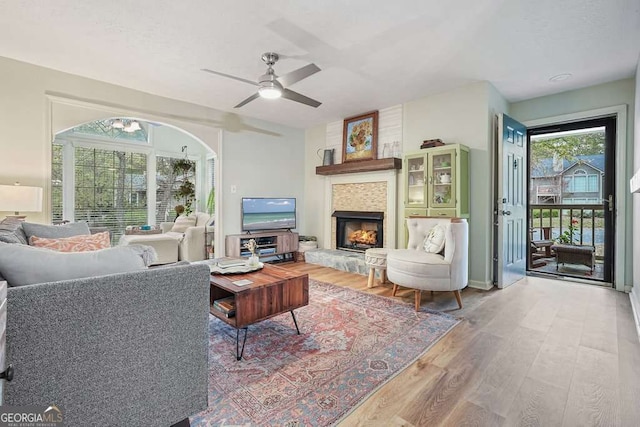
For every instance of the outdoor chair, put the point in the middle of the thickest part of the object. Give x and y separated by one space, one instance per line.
574 254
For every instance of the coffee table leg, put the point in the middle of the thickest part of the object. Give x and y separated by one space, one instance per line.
240 351
295 322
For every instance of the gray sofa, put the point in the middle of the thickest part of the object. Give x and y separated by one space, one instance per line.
117 350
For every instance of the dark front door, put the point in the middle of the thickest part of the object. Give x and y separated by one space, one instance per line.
571 199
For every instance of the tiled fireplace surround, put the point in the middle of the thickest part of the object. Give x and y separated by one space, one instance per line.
367 192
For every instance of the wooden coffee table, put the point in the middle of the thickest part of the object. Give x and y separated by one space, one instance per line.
274 291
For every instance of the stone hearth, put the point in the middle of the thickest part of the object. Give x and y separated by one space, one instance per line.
353 262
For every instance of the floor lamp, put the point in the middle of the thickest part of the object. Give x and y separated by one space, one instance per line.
20 198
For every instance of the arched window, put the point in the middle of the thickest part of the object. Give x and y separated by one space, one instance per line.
116 177
582 182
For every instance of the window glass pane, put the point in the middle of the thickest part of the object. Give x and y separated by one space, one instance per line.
172 182
56 184
211 171
579 184
105 129
110 189
593 183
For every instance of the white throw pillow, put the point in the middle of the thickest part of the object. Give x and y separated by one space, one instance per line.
434 243
183 222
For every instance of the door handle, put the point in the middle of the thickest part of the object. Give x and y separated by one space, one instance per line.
609 201
506 212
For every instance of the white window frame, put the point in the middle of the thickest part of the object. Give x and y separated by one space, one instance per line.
69 143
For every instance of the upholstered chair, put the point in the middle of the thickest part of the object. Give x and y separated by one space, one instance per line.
191 236
443 269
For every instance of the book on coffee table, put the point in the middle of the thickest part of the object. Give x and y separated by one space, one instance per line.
231 263
226 305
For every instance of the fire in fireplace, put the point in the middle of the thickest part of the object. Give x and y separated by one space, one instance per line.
358 231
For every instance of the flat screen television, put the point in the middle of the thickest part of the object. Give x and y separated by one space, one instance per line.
268 213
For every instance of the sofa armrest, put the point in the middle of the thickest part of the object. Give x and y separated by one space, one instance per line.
95 345
166 226
192 245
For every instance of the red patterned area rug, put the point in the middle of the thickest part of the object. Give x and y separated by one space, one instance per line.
351 343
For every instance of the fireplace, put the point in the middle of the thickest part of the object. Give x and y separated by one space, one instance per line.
358 231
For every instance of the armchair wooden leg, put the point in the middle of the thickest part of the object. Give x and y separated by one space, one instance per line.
458 298
417 294
395 289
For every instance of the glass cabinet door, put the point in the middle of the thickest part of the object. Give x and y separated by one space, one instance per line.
416 180
442 179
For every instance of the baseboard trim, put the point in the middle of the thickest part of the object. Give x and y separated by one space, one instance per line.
634 296
476 284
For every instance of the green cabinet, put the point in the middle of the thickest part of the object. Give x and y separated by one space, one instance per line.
436 182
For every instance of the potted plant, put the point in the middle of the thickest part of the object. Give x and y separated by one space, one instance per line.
567 237
211 201
186 192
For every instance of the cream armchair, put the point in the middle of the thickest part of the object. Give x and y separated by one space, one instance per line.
191 246
415 268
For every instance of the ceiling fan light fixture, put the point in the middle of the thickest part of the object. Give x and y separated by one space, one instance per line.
270 86
270 92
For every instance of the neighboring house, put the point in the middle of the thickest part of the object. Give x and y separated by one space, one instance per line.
136 189
562 181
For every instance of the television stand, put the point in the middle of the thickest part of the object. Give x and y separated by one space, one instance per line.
269 244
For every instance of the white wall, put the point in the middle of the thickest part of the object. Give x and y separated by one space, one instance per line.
315 142
620 92
170 140
462 116
260 165
27 112
635 293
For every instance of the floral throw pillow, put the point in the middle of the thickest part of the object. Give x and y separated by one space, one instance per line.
434 242
81 243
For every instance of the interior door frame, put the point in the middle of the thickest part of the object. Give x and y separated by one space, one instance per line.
621 283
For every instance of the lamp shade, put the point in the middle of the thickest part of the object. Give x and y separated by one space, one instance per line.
20 198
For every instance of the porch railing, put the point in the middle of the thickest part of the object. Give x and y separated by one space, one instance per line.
586 222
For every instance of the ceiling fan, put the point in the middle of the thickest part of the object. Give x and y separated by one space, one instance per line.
271 86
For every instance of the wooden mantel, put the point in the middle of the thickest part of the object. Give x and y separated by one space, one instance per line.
360 166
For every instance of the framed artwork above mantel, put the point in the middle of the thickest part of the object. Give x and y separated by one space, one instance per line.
360 137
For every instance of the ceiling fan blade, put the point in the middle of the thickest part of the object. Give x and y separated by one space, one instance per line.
299 74
248 100
240 79
295 96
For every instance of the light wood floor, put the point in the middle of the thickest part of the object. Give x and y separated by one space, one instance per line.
539 353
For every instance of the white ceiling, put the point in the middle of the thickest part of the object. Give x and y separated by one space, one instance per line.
373 54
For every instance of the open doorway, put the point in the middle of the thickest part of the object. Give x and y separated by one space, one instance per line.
571 207
127 175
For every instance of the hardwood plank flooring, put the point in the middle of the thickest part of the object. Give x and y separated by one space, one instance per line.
539 353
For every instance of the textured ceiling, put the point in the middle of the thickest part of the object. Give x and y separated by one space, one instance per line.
373 54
